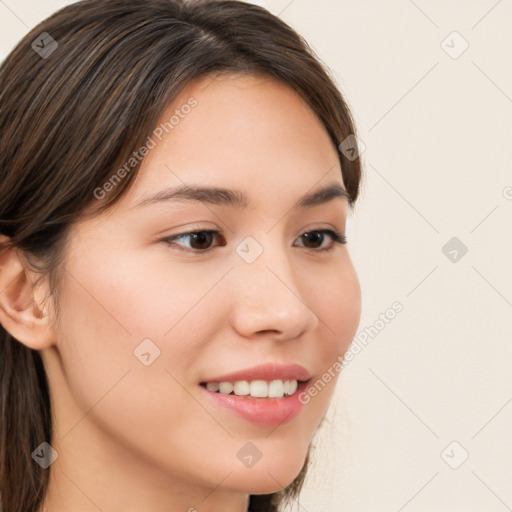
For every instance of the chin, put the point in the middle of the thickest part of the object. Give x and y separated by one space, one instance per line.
267 478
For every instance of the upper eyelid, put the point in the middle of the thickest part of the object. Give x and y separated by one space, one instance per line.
220 232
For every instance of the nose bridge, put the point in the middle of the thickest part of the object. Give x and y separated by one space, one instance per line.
268 293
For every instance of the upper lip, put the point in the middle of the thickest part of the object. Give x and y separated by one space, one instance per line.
266 372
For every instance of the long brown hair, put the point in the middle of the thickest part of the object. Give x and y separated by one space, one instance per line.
72 110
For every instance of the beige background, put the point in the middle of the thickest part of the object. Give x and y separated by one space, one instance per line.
437 127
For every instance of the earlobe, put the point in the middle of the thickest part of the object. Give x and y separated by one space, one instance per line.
20 314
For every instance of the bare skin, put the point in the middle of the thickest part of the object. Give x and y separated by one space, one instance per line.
132 437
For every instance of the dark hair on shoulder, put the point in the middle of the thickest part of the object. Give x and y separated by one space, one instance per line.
71 117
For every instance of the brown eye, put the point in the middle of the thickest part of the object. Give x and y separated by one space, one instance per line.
314 239
200 241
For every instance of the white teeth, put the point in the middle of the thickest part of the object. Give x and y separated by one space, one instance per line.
241 387
259 388
225 388
256 388
276 389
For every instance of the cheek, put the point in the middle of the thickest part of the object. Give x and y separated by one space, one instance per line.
112 389
336 300
345 310
135 293
337 303
108 310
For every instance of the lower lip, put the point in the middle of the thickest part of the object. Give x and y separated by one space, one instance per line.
262 411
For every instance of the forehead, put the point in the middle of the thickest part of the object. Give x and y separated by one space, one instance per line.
246 132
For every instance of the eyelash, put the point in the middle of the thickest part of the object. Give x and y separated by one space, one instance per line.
336 237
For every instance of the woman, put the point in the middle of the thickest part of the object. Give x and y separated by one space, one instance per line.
175 289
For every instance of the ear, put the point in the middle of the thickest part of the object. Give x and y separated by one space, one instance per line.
21 310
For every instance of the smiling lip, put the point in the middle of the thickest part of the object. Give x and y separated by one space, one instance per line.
268 412
266 372
262 411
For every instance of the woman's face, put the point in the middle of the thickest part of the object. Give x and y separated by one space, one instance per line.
144 321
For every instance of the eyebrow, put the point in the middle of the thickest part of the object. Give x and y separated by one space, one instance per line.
237 199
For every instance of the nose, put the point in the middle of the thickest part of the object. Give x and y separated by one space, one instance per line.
270 298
